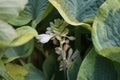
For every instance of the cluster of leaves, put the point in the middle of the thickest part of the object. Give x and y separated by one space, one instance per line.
94 24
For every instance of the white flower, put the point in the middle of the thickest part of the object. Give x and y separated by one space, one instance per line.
44 38
71 38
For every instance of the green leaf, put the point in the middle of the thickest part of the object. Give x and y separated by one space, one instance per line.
33 73
20 20
111 53
8 60
16 71
7 34
106 27
1 78
38 10
10 8
49 66
96 67
25 34
2 51
35 10
19 51
77 11
73 69
4 73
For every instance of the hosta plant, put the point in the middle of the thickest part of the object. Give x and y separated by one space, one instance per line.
59 40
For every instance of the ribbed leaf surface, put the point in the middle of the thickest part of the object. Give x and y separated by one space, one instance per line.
96 67
106 30
76 11
10 8
7 34
38 9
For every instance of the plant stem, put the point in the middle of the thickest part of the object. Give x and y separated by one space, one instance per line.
64 60
21 61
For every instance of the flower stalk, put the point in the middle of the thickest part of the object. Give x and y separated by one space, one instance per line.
64 59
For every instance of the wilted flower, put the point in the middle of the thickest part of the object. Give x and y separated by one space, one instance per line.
44 38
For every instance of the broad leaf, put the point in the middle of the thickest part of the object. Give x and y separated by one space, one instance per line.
2 51
1 78
11 8
7 34
25 34
19 51
111 53
49 66
37 10
73 69
4 73
106 28
20 20
33 73
76 11
96 67
16 71
10 59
